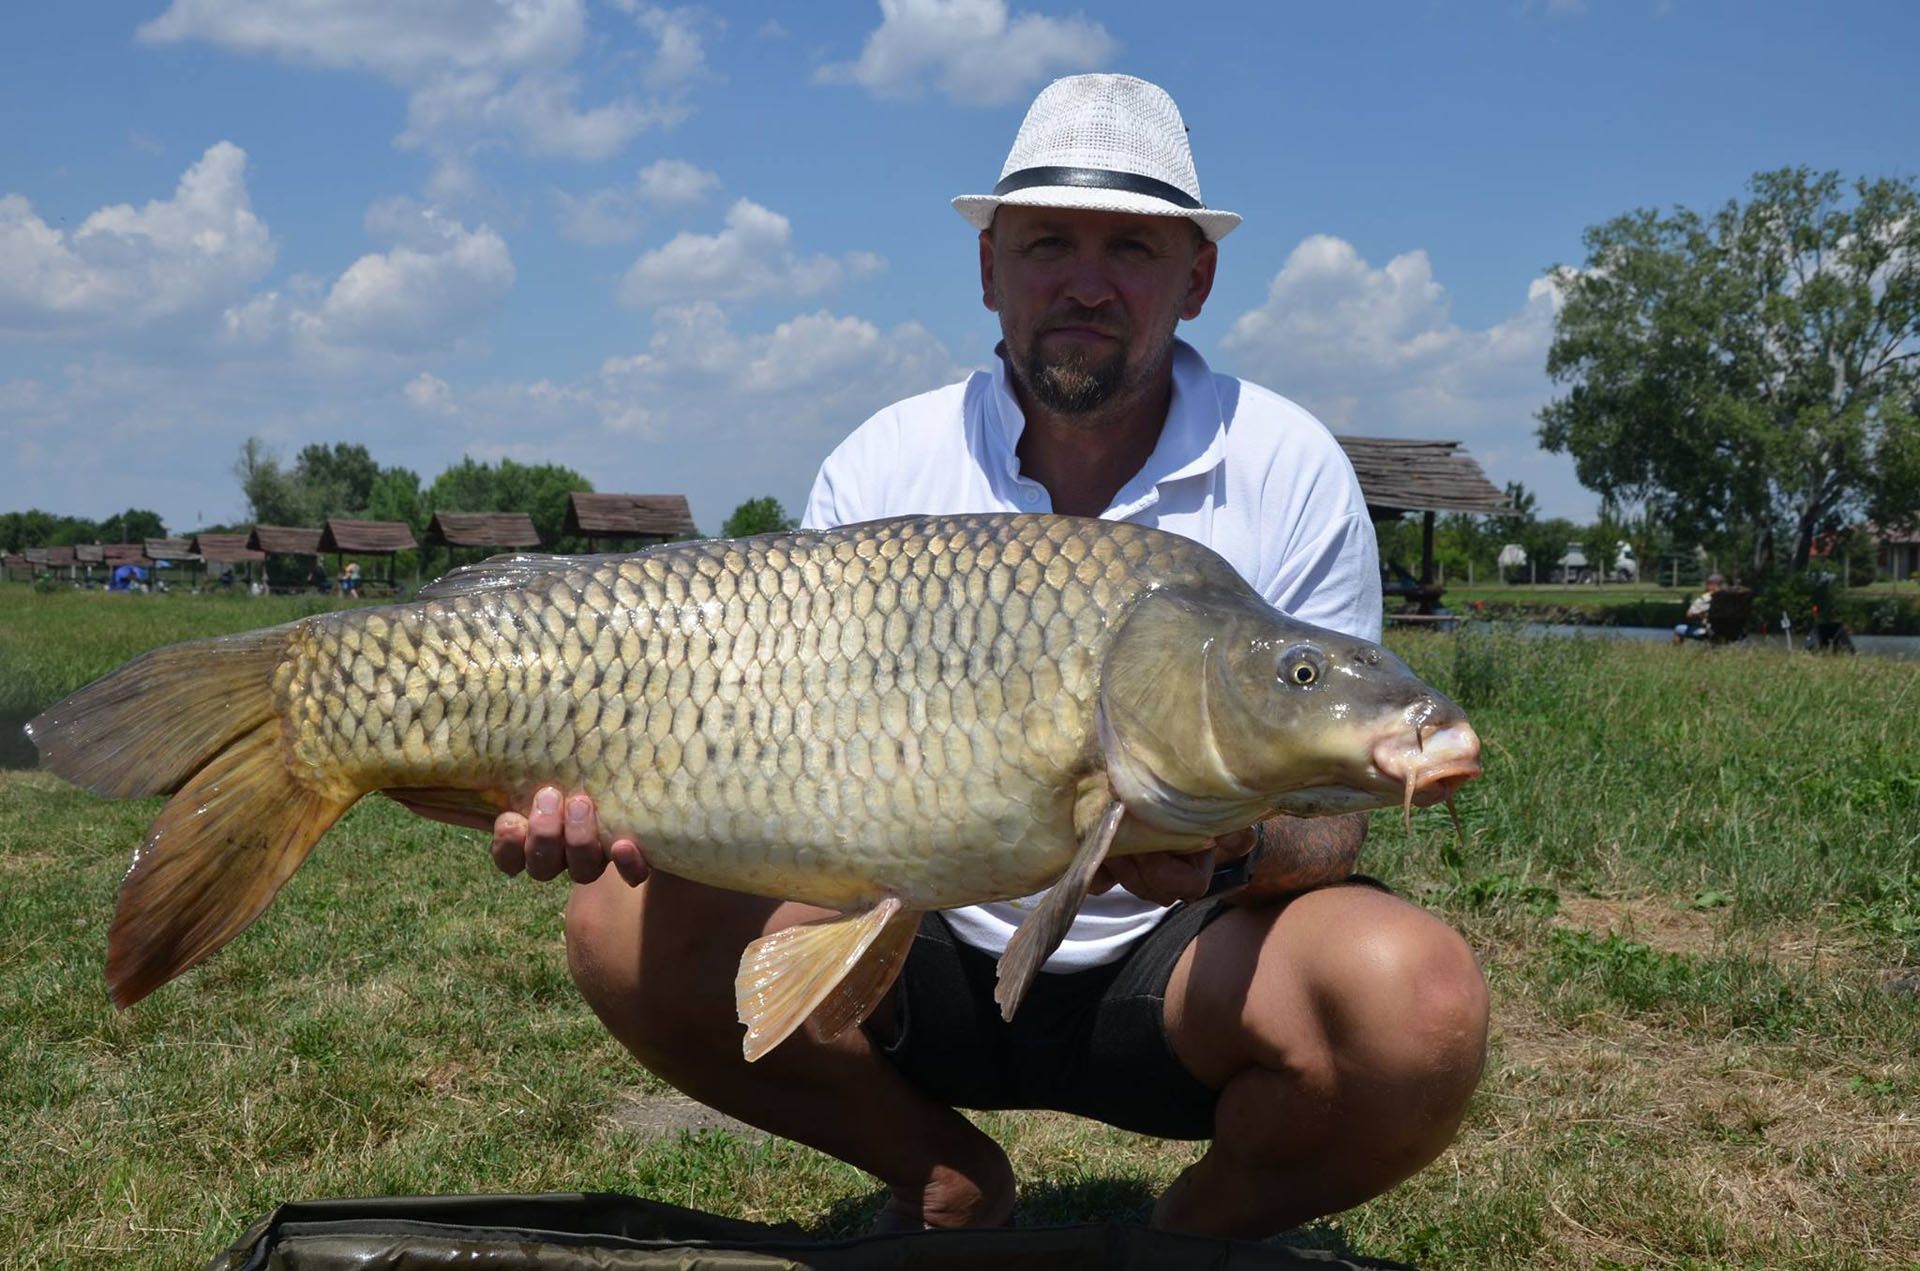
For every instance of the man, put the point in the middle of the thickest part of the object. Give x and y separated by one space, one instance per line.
1694 625
1323 1033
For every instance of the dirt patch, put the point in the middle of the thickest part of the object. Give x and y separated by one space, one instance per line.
1779 1144
654 1116
1671 926
1651 920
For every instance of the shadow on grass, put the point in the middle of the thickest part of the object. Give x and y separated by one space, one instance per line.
1108 1200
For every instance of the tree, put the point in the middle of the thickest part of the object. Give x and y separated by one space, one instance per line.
135 525
334 480
395 496
272 497
763 515
1755 369
539 490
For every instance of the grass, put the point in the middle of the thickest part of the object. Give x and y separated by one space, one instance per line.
1690 874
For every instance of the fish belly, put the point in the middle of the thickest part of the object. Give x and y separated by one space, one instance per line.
904 709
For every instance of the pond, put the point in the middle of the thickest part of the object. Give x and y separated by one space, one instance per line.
1904 647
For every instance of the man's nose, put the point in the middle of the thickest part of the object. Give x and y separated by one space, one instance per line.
1087 283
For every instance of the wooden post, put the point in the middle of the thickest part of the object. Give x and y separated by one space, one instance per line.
1426 550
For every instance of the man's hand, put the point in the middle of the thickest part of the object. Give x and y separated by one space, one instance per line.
1164 877
1298 854
563 832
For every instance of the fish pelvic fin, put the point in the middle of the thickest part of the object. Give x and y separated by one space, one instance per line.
854 998
1043 929
785 977
213 860
147 727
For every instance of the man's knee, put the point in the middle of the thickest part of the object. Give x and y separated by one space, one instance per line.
1410 1006
620 964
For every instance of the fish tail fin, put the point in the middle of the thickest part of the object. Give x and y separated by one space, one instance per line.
213 860
197 721
147 727
785 976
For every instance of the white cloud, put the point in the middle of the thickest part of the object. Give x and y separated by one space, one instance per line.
125 267
675 183
752 258
718 412
617 214
1376 352
475 70
402 42
680 56
429 394
437 281
971 50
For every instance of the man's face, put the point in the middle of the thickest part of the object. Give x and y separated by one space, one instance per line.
1088 301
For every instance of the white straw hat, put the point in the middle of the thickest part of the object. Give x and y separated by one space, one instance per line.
1108 143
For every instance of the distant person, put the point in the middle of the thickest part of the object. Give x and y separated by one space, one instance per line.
350 579
226 578
1694 626
317 577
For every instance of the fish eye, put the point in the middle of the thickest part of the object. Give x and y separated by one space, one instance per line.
1301 666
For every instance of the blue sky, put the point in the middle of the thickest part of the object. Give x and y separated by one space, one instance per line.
688 248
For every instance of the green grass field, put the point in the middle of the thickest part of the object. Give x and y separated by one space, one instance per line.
1691 875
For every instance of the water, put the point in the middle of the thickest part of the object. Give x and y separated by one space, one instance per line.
1906 648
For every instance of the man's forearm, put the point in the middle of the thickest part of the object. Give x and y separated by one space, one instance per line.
1302 852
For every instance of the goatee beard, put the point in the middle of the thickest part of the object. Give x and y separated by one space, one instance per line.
1072 385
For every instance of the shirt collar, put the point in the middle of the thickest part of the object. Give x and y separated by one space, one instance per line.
1192 441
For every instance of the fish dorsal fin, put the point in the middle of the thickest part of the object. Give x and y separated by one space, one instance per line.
784 976
499 573
1043 929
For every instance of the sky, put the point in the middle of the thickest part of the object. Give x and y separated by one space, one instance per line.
687 249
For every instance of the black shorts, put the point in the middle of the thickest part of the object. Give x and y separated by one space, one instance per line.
1093 1042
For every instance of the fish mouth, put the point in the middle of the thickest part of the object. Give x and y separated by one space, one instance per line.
1429 763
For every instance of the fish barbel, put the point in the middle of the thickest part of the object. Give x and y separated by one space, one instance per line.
882 719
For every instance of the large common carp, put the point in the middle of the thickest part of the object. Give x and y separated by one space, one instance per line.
883 719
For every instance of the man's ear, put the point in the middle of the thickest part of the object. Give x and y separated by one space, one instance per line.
986 271
1206 257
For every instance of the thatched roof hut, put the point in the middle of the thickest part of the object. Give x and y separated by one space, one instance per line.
482 529
226 549
1400 475
284 540
654 516
366 538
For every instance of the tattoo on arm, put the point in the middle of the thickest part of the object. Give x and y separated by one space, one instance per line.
1302 852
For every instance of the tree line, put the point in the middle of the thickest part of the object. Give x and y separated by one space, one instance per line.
1750 374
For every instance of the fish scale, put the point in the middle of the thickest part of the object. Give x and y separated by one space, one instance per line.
881 719
865 745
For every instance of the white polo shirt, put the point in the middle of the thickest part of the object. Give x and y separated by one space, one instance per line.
1241 469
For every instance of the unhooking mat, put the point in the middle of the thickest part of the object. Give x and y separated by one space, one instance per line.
607 1232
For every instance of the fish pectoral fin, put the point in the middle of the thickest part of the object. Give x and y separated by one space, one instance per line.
854 998
1043 929
785 976
444 803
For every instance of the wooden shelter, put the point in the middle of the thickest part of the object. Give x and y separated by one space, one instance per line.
1400 475
227 550
178 553
13 563
367 538
650 517
482 529
284 540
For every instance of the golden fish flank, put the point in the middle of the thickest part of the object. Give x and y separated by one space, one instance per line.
883 719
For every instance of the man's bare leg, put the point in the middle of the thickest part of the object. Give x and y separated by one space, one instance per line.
1345 1030
657 963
